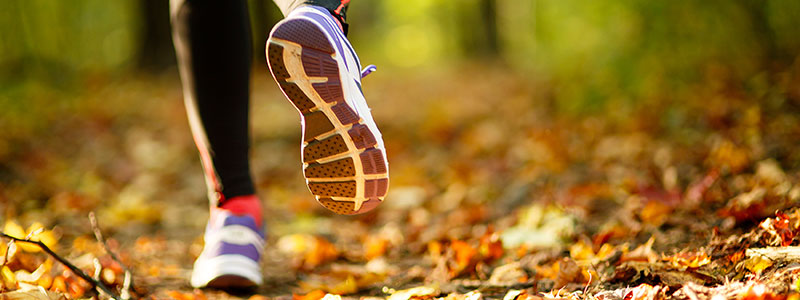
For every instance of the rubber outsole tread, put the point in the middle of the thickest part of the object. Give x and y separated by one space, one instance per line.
375 188
320 64
345 114
325 148
361 136
305 33
276 65
333 189
372 161
326 116
329 91
298 98
316 123
334 169
348 207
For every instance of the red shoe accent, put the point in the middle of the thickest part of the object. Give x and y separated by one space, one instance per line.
338 15
244 205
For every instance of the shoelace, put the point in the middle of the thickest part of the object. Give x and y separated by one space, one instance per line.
367 70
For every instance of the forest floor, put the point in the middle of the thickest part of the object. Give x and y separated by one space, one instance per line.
498 191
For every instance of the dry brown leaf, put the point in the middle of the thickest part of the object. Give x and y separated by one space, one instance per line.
508 274
31 294
568 272
642 253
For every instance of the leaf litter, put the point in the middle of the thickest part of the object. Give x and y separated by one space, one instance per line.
488 203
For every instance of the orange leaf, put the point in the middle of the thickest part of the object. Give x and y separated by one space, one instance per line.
322 252
375 247
655 213
313 295
464 253
491 247
435 249
689 259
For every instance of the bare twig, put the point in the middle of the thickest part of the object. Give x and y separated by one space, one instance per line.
126 286
95 284
99 236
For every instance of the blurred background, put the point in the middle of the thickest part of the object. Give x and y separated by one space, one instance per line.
487 104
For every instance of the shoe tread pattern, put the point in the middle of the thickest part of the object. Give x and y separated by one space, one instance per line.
335 141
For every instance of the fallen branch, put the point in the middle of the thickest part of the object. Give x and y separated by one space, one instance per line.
785 254
95 284
128 282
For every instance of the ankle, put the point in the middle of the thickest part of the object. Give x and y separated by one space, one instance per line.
249 205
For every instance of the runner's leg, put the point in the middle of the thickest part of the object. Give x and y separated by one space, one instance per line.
212 42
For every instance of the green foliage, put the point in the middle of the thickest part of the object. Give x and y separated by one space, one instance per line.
596 55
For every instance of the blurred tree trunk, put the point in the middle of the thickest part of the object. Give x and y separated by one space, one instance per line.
477 30
155 51
775 56
263 15
489 17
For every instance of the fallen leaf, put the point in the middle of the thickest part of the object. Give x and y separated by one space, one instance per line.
490 247
757 264
31 294
35 232
645 292
507 274
332 297
688 259
512 294
313 295
308 251
568 272
415 293
642 253
464 255
375 247
655 213
539 227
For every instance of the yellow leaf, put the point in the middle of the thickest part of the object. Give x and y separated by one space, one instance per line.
38 233
375 247
689 259
605 251
8 278
13 229
581 251
757 264
655 213
348 286
35 232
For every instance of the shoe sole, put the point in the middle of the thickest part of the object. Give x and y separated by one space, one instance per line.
226 271
343 168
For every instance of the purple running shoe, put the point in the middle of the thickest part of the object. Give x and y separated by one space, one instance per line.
344 159
233 247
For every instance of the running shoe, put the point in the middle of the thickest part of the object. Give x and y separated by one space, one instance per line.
233 247
344 159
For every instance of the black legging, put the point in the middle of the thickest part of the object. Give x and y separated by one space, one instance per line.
212 42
